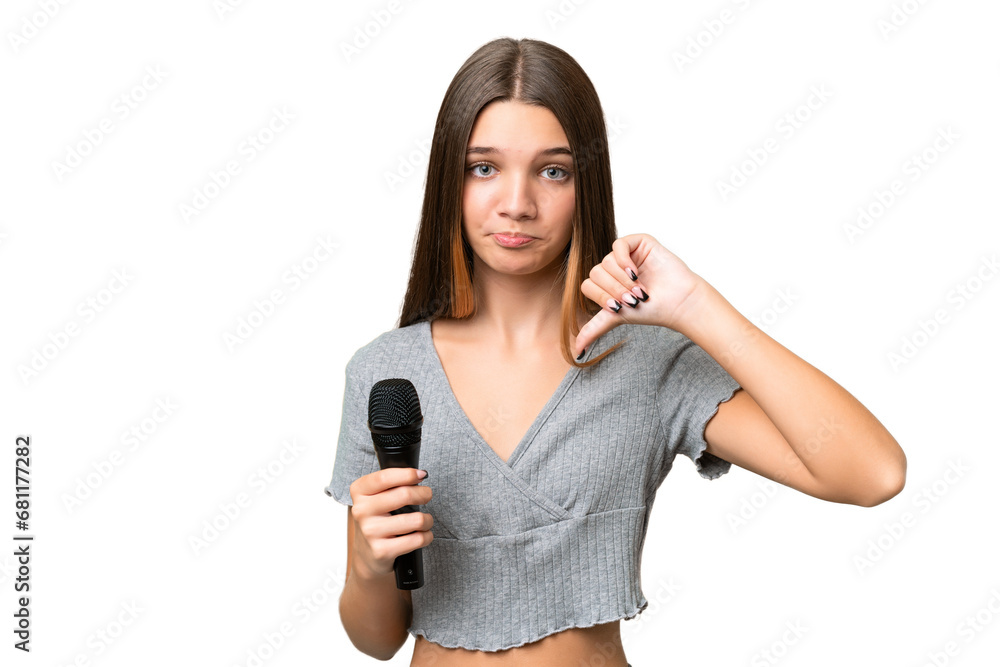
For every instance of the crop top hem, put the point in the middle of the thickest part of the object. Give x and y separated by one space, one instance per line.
635 611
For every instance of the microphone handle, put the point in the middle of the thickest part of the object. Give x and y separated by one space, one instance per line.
409 567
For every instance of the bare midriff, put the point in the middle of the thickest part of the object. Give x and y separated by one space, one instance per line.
597 645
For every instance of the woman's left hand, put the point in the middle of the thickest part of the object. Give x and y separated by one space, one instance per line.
669 285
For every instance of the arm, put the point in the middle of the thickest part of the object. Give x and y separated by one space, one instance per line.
375 614
790 422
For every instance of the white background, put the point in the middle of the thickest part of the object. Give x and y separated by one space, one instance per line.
721 589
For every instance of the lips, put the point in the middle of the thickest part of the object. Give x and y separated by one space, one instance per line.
512 240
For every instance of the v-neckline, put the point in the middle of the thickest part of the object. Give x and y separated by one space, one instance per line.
467 424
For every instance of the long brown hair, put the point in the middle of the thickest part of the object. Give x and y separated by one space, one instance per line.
532 72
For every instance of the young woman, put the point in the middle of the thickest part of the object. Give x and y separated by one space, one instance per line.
560 370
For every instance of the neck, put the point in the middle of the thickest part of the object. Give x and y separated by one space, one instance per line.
518 311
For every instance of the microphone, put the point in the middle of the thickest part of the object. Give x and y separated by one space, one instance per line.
394 420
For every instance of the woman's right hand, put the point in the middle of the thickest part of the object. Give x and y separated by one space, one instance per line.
379 537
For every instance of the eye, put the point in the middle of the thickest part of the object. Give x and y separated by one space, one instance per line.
565 173
476 167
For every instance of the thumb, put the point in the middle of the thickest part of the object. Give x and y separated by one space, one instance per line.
599 324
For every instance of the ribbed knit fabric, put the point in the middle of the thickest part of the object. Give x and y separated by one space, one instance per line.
552 538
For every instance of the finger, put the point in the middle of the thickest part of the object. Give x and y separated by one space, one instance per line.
401 524
413 541
616 283
597 326
400 496
609 293
621 249
600 296
603 290
396 531
381 480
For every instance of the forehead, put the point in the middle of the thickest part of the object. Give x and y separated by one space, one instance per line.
516 127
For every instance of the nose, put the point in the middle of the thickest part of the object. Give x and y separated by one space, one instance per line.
517 198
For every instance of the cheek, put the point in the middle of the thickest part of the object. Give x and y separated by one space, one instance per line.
566 205
473 204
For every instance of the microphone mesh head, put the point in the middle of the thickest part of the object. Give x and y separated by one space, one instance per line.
393 403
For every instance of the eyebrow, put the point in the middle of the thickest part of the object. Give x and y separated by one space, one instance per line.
489 150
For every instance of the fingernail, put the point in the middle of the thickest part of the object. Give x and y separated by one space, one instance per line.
633 302
421 474
634 277
582 352
614 305
639 292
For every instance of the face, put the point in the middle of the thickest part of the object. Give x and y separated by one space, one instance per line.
518 196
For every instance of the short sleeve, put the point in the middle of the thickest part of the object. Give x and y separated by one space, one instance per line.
355 455
690 387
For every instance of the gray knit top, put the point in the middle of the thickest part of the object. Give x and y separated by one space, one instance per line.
552 538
